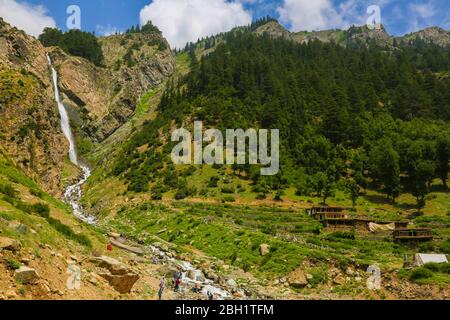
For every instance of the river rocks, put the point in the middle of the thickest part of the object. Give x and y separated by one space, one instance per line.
297 279
196 275
211 275
231 283
26 275
9 244
264 249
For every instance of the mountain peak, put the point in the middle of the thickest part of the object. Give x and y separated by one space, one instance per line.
434 35
274 29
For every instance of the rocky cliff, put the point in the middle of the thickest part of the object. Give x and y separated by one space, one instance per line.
101 99
30 134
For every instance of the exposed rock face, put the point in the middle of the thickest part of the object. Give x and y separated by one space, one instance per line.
274 29
30 134
356 35
103 98
26 275
435 35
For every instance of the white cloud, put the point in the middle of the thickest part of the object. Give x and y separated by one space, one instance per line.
182 21
309 15
325 14
421 15
423 10
30 18
105 30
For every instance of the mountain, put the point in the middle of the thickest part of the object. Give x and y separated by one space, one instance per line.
364 125
104 98
432 35
357 35
30 134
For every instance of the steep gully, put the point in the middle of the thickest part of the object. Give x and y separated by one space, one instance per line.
73 193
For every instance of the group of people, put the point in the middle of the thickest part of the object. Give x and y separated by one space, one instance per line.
176 281
177 276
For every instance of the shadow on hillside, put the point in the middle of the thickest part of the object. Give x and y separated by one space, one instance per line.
380 199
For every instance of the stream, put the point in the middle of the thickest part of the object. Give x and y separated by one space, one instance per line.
73 193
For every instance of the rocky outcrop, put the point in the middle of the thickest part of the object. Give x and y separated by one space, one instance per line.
274 29
30 134
434 35
101 99
264 249
357 35
120 277
297 279
9 244
26 275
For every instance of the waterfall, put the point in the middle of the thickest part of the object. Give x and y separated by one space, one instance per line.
73 193
65 124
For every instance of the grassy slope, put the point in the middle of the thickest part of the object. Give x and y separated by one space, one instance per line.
235 230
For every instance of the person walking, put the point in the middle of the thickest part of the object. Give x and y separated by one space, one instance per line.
177 284
162 286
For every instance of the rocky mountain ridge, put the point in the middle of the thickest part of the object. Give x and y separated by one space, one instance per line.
357 34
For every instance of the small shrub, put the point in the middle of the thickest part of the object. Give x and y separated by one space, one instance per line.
445 247
261 196
420 273
444 268
41 209
8 190
12 264
342 235
37 193
228 189
228 199
435 267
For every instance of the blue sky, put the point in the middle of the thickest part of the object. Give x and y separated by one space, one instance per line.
183 20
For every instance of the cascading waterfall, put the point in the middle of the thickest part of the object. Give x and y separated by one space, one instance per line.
73 193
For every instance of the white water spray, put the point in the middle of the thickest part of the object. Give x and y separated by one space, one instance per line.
73 193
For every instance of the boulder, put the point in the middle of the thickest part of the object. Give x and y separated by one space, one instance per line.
114 235
264 249
231 283
121 283
339 280
350 271
112 265
11 294
9 244
297 279
123 246
211 275
18 227
26 275
196 275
